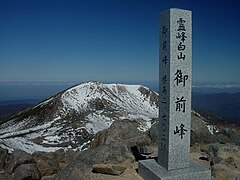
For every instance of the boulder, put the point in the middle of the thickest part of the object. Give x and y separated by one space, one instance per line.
62 166
5 176
52 162
112 169
115 153
199 131
198 156
232 135
147 150
47 165
73 173
222 171
153 133
26 171
225 160
17 158
52 177
124 132
219 152
3 157
121 131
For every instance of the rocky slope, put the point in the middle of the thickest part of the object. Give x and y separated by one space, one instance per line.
70 119
114 154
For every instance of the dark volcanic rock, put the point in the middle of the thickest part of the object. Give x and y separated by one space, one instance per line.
199 131
232 135
219 152
3 157
148 93
53 162
153 133
113 169
222 171
225 160
73 173
121 131
26 171
115 153
52 177
110 146
146 150
17 158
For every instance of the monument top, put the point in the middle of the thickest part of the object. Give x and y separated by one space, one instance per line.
175 9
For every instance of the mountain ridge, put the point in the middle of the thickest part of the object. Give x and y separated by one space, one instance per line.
69 119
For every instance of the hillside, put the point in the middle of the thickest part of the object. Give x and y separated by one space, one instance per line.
70 119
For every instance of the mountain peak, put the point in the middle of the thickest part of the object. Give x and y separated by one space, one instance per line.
70 119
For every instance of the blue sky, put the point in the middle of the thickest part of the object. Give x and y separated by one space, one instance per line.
112 40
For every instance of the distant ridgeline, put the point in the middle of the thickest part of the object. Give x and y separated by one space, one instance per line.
10 107
223 105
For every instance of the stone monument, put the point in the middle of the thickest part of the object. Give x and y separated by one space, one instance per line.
174 124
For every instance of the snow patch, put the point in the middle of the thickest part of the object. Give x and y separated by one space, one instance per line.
26 145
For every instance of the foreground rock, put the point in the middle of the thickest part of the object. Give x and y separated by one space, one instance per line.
27 171
53 162
21 165
40 165
112 169
5 176
3 158
17 158
122 131
223 171
112 146
222 159
115 151
128 174
225 160
199 131
225 152
231 135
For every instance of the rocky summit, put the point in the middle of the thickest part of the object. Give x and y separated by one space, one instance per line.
70 119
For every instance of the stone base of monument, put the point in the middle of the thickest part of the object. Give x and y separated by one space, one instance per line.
151 170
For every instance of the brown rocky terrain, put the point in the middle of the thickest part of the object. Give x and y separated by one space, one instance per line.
114 154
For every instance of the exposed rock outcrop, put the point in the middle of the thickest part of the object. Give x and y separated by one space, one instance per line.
112 169
110 146
199 131
231 135
26 171
17 158
115 153
3 158
53 162
225 160
20 165
124 131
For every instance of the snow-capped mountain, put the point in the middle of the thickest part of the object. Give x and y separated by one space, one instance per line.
70 119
